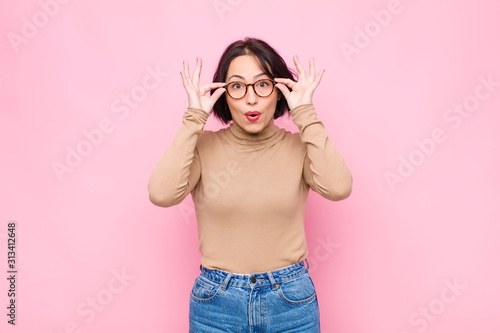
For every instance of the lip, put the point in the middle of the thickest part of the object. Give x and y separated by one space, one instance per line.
252 115
249 113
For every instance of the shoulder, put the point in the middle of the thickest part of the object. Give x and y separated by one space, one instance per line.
208 138
293 139
205 138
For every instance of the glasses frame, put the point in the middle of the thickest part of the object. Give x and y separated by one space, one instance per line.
253 86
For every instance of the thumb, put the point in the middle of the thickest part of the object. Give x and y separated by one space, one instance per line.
218 93
284 90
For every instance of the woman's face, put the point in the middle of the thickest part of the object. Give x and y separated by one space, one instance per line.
246 69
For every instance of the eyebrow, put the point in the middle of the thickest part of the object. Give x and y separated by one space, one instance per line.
241 77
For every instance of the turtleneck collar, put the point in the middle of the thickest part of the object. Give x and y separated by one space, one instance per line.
238 138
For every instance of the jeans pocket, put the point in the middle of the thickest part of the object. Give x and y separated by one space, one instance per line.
297 291
205 290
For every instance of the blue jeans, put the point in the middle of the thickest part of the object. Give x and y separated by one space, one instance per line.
283 300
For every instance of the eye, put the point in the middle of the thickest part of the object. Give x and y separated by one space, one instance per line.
264 83
236 85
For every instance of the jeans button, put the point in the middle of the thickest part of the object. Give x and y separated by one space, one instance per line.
253 279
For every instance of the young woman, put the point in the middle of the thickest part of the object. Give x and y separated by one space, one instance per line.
249 183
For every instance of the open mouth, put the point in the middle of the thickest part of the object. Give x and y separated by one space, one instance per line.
252 116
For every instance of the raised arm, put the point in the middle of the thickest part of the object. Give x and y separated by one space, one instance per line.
324 168
178 170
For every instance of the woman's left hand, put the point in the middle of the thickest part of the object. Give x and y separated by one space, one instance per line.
302 91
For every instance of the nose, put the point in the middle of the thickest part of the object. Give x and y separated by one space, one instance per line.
251 97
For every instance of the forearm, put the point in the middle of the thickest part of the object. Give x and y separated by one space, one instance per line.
175 175
324 167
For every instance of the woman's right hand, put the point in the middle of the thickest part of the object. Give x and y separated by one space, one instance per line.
196 93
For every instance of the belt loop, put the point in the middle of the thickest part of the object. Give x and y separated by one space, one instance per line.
226 281
307 264
273 281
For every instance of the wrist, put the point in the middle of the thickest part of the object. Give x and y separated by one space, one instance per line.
299 107
199 115
198 108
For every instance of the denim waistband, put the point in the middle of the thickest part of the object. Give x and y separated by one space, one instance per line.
253 280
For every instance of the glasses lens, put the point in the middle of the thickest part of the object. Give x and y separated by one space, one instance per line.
264 87
236 89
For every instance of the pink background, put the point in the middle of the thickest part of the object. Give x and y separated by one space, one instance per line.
384 261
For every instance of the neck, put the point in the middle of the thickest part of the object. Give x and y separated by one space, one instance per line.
263 134
243 140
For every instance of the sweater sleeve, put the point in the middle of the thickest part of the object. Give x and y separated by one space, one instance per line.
178 170
325 170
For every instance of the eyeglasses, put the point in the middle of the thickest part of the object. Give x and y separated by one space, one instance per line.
238 90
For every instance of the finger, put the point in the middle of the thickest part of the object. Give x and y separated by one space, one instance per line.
197 72
214 85
218 93
299 67
289 83
211 86
318 78
312 70
284 90
188 84
186 69
184 80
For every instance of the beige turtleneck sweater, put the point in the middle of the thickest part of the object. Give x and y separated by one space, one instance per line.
250 190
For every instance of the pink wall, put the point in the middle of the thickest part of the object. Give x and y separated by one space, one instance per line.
405 98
